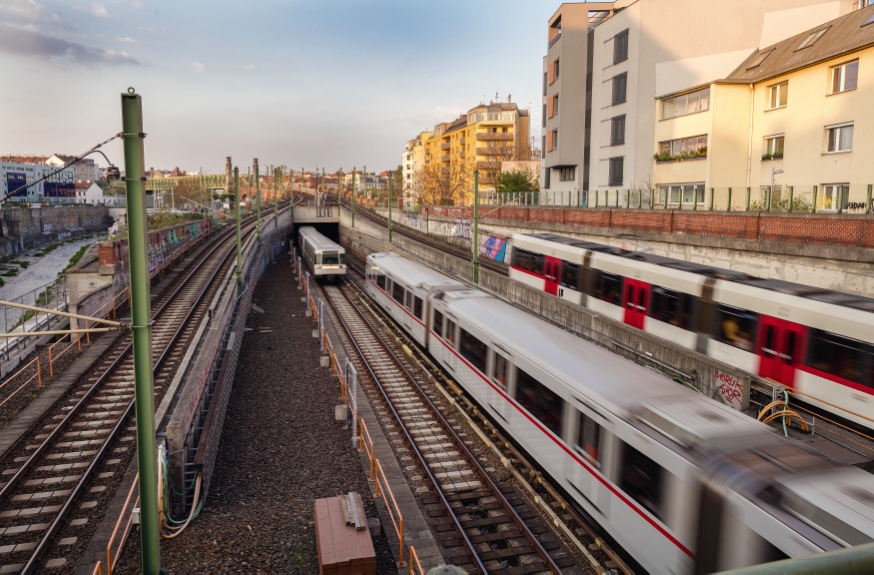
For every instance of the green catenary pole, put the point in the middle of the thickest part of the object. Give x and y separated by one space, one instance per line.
475 239
353 195
749 191
389 206
141 316
868 200
257 198
728 208
239 272
791 198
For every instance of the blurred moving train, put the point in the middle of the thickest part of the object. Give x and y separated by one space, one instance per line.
684 484
324 258
817 341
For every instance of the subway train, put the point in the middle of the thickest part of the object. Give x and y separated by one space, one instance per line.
324 258
683 483
817 341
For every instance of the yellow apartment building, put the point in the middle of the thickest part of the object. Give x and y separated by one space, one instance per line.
412 163
795 114
478 140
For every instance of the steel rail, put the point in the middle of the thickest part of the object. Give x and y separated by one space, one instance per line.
56 524
469 455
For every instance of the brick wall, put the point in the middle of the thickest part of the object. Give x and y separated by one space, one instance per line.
829 229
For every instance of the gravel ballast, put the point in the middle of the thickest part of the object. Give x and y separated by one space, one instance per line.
280 450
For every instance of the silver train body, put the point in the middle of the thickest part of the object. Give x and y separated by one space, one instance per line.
684 484
816 341
323 258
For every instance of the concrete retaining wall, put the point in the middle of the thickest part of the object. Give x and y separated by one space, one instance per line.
23 228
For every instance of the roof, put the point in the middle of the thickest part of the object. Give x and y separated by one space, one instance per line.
318 241
412 272
845 35
15 159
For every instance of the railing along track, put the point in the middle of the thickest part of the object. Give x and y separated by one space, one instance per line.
485 504
176 310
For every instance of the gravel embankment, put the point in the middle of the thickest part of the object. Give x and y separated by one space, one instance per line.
280 450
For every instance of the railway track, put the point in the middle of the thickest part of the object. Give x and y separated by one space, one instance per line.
416 235
485 527
62 475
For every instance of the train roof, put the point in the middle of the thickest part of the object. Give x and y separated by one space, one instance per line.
319 241
413 273
685 416
833 297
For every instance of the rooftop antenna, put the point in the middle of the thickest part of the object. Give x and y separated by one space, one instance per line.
509 98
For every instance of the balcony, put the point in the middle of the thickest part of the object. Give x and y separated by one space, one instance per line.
462 154
445 158
554 40
495 137
488 165
444 146
496 151
462 141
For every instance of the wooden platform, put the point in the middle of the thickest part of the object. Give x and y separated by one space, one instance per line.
342 537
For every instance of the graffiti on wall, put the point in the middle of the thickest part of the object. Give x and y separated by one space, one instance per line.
495 248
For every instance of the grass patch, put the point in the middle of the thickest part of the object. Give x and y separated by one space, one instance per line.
77 256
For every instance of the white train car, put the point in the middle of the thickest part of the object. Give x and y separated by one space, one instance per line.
324 258
817 341
681 482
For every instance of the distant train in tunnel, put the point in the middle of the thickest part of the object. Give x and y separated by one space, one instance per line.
324 258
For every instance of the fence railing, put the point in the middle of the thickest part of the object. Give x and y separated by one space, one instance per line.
55 355
126 511
52 296
21 373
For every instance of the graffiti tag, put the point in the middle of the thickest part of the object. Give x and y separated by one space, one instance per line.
731 390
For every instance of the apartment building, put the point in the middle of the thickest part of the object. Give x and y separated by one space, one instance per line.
413 161
478 140
607 62
17 171
794 113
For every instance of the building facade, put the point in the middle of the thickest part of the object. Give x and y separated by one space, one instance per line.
84 170
607 63
479 140
792 114
56 189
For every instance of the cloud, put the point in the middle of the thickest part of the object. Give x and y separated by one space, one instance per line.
250 68
27 9
128 40
30 43
197 67
439 114
99 11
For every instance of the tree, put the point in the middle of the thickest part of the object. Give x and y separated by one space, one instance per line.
525 180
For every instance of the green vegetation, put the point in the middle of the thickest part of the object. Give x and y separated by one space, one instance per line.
517 181
77 256
667 157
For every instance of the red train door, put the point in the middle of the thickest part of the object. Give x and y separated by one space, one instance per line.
779 346
552 272
635 300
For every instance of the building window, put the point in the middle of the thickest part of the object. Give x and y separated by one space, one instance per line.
682 149
687 193
831 194
543 147
555 139
773 147
617 130
547 173
555 69
760 57
615 176
566 174
544 83
839 138
555 105
544 115
620 83
811 39
620 47
691 103
844 77
777 96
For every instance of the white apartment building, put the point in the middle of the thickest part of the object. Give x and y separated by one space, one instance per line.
607 62
85 169
59 188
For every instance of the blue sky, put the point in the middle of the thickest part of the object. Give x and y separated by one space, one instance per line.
301 83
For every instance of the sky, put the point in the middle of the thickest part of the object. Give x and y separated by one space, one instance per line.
328 83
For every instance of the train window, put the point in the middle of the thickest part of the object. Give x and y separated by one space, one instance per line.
397 292
539 400
408 300
671 307
608 287
330 258
642 478
380 280
501 371
473 350
735 326
417 307
525 260
438 323
570 275
450 332
589 437
841 356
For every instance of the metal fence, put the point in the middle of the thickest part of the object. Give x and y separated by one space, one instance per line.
51 296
